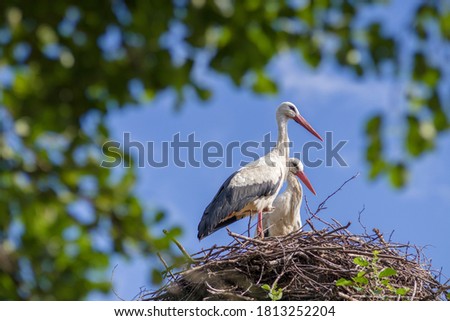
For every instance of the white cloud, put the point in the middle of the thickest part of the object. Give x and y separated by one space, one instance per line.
328 83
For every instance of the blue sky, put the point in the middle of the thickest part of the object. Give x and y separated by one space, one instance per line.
331 101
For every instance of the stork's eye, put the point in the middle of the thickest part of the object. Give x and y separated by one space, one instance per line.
292 108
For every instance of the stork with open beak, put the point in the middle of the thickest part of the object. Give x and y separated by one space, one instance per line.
253 188
285 217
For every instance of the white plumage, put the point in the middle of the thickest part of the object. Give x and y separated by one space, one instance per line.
285 217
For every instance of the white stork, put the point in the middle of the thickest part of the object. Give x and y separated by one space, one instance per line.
285 217
253 188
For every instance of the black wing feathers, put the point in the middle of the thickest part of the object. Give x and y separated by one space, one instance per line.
231 199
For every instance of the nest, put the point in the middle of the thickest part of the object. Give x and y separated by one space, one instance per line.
328 262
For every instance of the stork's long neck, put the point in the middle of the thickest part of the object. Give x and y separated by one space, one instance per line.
283 139
295 190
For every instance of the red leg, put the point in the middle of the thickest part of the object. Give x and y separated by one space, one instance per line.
260 226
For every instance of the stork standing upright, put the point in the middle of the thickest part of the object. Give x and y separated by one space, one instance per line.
253 188
285 217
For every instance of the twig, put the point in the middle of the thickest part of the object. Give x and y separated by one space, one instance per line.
390 236
239 236
346 297
360 212
322 205
168 270
112 283
414 291
310 213
338 229
249 225
379 235
181 248
308 221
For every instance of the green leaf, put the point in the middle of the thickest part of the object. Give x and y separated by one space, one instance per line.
448 296
401 291
156 276
420 66
265 287
264 84
432 77
398 175
374 125
276 295
203 94
387 272
360 280
360 261
445 25
417 141
344 282
374 150
378 167
414 140
435 105
361 273
375 256
159 216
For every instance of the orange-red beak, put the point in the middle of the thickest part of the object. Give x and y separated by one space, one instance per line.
302 121
306 181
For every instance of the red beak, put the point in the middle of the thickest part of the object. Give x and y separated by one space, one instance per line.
306 181
302 121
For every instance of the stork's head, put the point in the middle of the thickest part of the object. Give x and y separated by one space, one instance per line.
290 111
296 167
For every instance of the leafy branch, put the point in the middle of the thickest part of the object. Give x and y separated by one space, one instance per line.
274 292
369 277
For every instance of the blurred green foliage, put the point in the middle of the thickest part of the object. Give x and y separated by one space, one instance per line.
62 216
64 65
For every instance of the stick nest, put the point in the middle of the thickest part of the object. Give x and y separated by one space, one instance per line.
327 264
